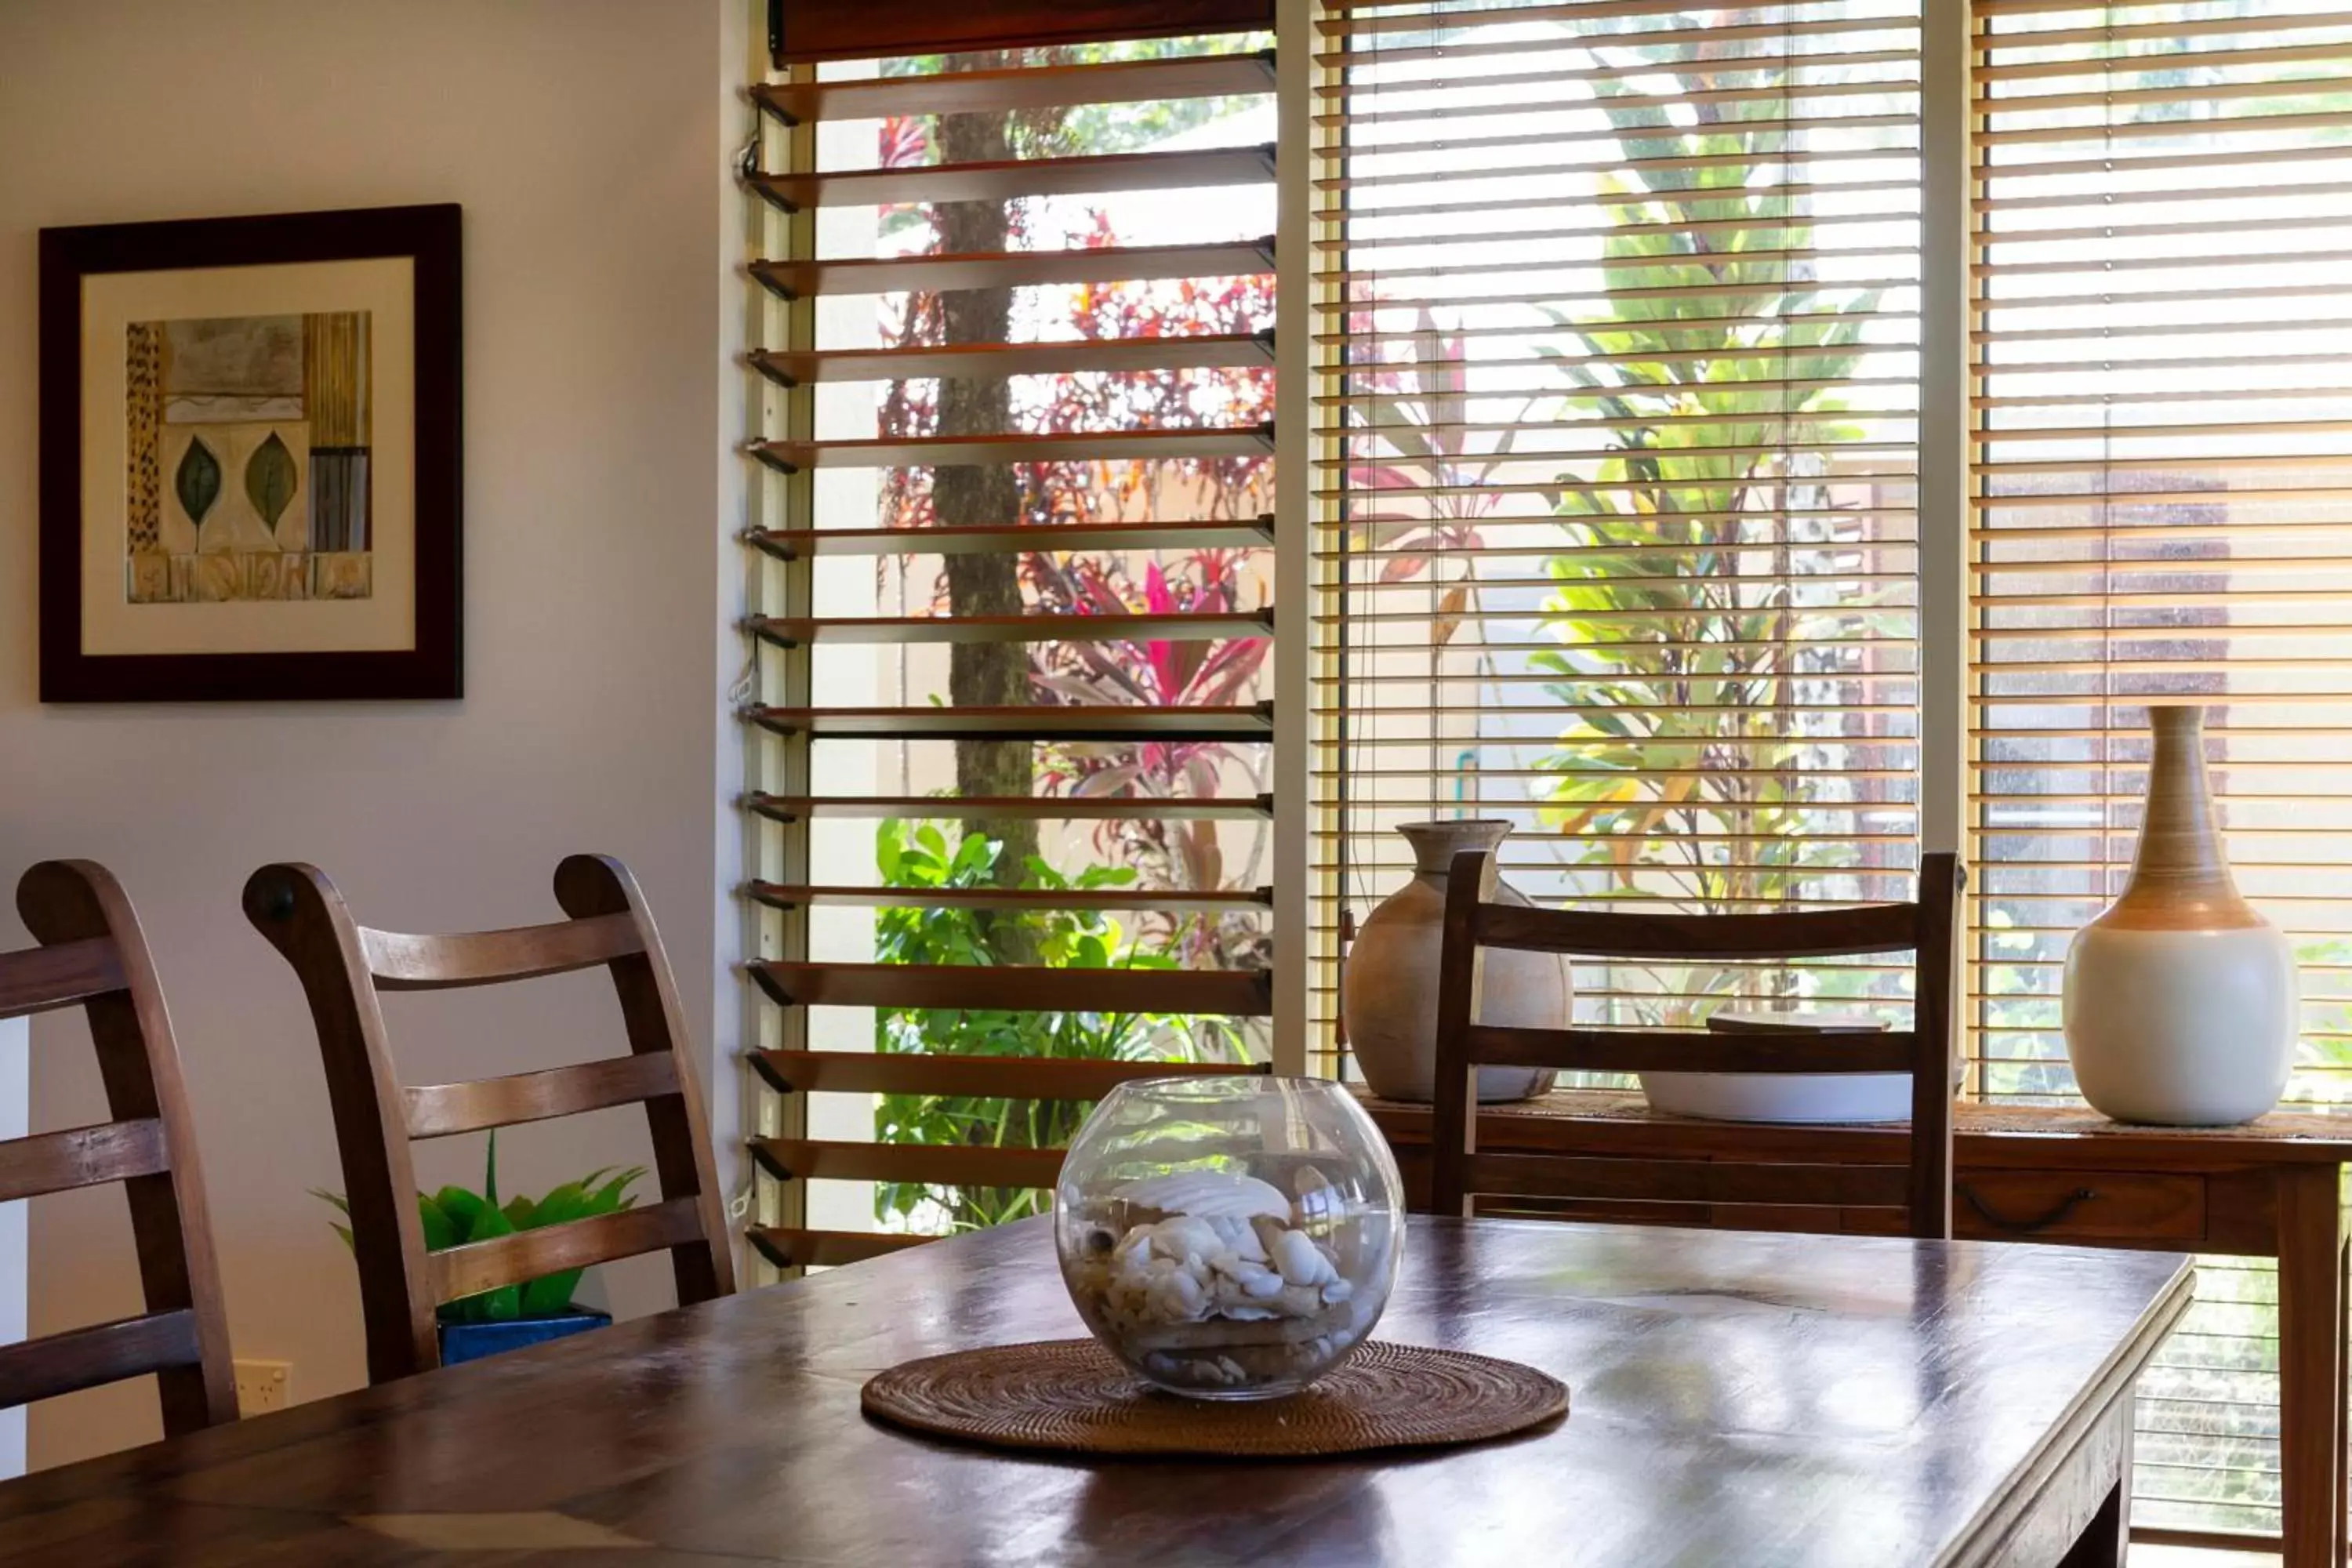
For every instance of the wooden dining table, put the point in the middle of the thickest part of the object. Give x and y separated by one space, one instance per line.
1738 1400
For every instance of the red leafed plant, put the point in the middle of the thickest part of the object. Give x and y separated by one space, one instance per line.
1149 671
1157 672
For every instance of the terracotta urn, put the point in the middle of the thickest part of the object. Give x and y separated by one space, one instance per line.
2181 1002
1388 995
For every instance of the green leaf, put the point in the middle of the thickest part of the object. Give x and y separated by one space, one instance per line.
269 481
503 1305
549 1294
464 1210
442 1231
198 481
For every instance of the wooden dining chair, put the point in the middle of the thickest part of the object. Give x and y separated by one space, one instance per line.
92 955
344 967
1839 1170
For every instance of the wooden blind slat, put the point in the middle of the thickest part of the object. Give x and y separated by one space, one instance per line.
1360 17
1630 510
2203 392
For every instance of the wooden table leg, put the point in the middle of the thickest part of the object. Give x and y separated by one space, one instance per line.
2311 1365
2106 1540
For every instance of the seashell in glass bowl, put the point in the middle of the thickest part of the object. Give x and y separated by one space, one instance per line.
1230 1237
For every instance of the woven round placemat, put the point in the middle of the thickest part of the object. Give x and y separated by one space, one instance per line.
1072 1396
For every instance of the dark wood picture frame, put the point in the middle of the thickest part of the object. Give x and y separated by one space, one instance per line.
433 666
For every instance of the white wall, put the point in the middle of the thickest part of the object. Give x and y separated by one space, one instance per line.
15 1104
586 140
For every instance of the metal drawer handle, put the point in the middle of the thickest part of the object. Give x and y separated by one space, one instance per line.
2056 1211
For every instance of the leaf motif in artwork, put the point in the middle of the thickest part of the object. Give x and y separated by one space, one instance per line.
269 481
198 481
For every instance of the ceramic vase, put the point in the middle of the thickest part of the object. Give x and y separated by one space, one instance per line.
1388 998
2181 1002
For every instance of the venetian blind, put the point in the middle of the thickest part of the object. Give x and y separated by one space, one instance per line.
1011 608
1620 318
2162 505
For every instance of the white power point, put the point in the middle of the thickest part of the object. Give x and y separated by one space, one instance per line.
264 1385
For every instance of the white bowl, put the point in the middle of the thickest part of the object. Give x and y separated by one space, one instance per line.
1796 1097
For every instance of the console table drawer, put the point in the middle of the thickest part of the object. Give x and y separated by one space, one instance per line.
2131 1207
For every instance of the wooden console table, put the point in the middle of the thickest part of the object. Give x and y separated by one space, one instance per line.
2270 1189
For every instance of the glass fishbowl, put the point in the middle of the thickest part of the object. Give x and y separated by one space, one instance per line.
1230 1237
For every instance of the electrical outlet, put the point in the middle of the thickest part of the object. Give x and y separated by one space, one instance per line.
264 1385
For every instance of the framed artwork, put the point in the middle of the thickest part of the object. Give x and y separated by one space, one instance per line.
250 477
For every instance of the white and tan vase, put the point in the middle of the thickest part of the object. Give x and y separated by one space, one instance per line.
1388 996
2181 1001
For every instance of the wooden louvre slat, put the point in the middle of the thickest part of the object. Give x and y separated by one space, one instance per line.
1018 446
983 1077
1016 988
787 1248
790 545
899 630
795 896
1013 269
990 809
1070 723
1173 76
810 30
810 1159
1010 179
1195 351
788 697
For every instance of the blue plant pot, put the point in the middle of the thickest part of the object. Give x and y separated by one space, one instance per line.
472 1341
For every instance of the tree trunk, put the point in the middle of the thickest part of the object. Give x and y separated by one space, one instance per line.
994 675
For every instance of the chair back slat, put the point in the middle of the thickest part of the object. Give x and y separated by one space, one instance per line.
77 1359
1690 1181
482 1266
44 979
1840 1169
1690 1050
344 967
445 1109
406 961
92 954
1635 934
81 1157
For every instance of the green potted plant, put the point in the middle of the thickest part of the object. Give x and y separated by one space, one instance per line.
513 1315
